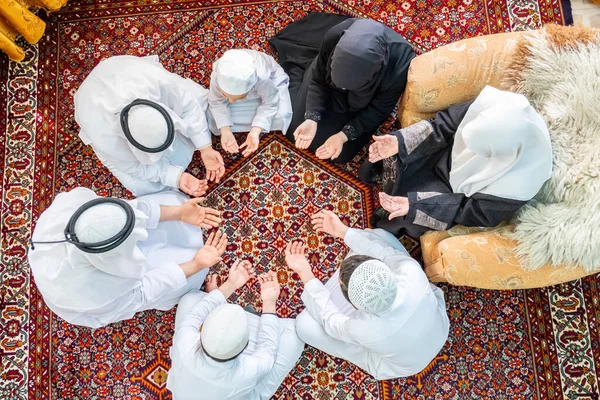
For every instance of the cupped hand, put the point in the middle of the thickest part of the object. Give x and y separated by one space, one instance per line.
228 141
397 206
214 164
305 133
332 148
210 254
191 185
328 222
240 272
269 287
383 147
194 214
295 257
252 142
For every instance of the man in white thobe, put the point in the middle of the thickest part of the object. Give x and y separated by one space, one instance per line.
222 352
378 310
161 259
113 85
248 93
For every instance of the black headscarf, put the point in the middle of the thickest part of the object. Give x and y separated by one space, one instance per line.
359 61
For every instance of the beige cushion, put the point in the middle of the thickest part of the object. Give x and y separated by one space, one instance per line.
454 73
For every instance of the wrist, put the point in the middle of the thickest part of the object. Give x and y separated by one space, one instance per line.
343 136
206 150
190 268
342 232
306 276
270 307
227 288
170 213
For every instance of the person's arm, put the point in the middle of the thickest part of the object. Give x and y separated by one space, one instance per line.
317 300
369 118
267 109
368 243
162 171
190 98
430 136
319 91
187 338
441 211
267 345
218 104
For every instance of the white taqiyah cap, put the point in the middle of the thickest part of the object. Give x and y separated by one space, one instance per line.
147 126
100 222
225 332
372 287
236 72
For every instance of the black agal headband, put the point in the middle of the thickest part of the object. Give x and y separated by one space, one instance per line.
104 245
125 126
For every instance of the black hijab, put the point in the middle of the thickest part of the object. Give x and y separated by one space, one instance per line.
359 61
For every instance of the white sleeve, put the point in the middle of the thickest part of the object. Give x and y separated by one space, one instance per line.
267 110
162 171
267 346
150 208
370 244
187 336
218 104
157 283
317 300
189 97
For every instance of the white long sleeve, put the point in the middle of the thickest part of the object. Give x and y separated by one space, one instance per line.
319 304
189 99
162 171
219 105
158 283
269 96
365 242
267 345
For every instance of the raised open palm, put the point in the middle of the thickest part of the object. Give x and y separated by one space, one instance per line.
397 206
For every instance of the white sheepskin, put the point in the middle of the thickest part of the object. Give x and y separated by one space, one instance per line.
562 226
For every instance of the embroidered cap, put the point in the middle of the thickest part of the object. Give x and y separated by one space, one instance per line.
372 287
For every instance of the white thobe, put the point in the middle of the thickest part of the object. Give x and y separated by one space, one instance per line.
143 273
267 105
397 343
273 350
116 82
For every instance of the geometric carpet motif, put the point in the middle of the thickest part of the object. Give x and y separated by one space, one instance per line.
527 344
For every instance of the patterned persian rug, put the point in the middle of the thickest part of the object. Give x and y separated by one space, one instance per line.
534 344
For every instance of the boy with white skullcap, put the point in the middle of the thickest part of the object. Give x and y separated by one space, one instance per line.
222 352
101 260
145 124
248 93
378 310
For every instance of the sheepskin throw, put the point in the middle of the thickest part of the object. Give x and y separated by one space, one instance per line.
558 70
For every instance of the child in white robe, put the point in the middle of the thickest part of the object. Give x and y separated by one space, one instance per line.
222 352
395 322
162 259
248 93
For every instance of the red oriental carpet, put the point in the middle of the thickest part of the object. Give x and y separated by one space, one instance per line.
534 344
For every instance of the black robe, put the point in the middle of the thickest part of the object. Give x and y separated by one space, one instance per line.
305 49
421 172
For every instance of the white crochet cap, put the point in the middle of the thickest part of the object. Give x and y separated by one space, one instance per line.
372 287
100 222
236 72
147 126
225 332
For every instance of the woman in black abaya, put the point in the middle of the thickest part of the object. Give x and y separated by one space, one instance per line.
346 76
